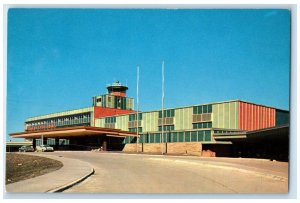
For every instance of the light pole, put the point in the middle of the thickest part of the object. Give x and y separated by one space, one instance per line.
162 113
137 110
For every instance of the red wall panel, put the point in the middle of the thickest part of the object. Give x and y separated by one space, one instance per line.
121 94
254 117
241 121
263 118
103 112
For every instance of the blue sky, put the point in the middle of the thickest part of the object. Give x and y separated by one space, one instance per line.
59 58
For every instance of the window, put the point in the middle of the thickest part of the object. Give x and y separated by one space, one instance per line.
209 108
134 129
200 135
129 139
202 109
110 119
174 137
132 117
166 128
167 113
199 111
195 110
142 139
109 99
207 135
180 137
98 100
202 125
165 137
205 109
146 138
187 136
194 137
151 138
172 112
157 137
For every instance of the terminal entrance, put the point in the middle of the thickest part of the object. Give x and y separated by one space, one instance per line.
79 138
102 143
84 143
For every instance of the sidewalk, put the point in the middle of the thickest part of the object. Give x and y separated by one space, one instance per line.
72 172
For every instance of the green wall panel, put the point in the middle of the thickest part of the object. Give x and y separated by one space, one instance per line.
233 116
150 121
183 118
225 115
122 122
100 122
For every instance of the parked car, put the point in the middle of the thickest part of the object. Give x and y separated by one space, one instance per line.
44 148
26 148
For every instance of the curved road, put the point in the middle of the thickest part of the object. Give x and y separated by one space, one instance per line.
131 173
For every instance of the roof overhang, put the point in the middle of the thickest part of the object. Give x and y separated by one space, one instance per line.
18 143
73 132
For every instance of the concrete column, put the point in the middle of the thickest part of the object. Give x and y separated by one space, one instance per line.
34 143
56 143
44 140
104 144
99 142
71 143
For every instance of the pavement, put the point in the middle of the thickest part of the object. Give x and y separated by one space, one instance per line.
140 173
72 172
157 174
262 167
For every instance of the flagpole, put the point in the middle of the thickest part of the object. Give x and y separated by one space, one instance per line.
162 104
137 109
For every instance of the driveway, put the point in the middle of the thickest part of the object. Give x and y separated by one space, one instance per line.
131 173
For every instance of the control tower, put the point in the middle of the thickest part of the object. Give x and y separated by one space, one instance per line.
115 98
117 89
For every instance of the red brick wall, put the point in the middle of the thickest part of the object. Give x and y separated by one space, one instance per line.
254 117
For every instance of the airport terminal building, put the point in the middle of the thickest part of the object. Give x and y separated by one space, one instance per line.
230 128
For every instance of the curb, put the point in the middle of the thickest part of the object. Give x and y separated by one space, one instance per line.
185 155
67 186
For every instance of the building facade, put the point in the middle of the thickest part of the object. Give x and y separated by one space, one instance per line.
113 103
190 128
197 123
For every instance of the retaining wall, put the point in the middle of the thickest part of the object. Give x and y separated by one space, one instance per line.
192 148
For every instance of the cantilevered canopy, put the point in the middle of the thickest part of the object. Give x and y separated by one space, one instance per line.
269 134
73 132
